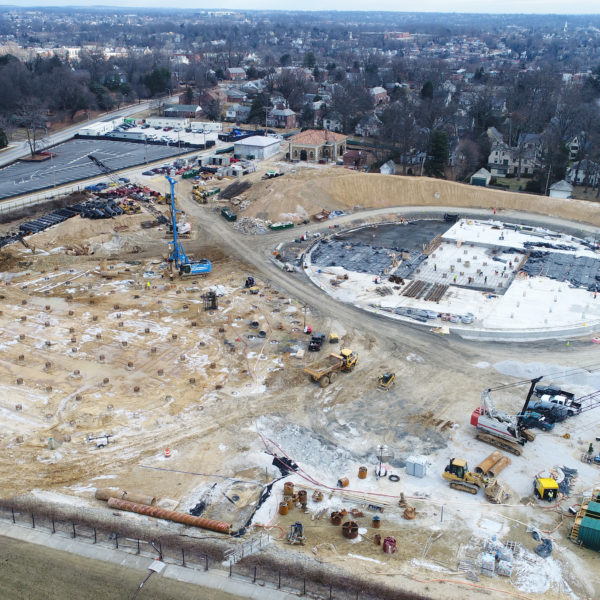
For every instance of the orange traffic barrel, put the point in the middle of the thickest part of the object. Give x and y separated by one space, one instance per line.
283 508
362 472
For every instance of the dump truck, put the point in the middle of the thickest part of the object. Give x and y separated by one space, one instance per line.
484 477
326 371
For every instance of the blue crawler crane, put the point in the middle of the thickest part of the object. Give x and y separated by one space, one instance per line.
178 255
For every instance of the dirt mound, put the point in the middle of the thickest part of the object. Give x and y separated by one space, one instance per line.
78 232
311 190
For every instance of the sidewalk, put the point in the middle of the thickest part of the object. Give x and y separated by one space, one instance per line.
213 579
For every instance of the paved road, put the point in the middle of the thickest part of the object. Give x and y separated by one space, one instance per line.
22 148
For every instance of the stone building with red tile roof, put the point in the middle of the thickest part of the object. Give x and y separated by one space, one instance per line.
315 145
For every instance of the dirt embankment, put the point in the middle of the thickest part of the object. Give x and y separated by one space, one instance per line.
307 192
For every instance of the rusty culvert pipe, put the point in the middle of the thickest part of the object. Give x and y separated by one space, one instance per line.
170 515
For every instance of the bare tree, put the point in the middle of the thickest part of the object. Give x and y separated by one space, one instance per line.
33 118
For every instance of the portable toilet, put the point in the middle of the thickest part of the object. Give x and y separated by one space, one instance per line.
416 466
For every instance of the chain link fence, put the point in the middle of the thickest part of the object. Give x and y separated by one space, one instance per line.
254 567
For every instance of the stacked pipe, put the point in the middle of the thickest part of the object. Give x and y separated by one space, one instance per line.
493 464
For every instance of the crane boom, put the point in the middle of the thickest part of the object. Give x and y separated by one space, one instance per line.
178 256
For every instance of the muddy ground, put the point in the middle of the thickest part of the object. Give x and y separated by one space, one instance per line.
208 384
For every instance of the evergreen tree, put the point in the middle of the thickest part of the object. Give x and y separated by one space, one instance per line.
437 154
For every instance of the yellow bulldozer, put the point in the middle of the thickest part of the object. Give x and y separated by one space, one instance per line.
485 477
386 381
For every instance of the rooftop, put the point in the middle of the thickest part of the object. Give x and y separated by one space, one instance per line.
258 140
316 137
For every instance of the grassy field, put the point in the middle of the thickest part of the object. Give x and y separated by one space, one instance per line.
32 572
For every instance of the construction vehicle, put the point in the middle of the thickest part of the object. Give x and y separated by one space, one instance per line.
500 429
326 372
316 342
296 534
555 395
254 290
386 381
485 477
545 488
183 228
333 338
533 418
178 257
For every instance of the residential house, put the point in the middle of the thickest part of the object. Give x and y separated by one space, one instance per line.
283 118
379 95
235 74
237 113
235 95
368 126
212 94
504 160
333 122
574 146
584 172
315 145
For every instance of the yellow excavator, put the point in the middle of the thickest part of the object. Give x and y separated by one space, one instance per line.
460 478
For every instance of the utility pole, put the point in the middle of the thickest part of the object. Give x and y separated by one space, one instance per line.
548 180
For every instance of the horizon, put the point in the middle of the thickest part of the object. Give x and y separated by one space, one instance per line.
462 7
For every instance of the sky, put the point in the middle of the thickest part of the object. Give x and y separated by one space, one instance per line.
462 6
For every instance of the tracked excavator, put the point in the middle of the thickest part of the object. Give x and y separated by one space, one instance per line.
484 477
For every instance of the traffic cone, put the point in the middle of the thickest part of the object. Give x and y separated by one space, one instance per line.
167 453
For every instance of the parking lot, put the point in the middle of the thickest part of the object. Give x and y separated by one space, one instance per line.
167 135
71 163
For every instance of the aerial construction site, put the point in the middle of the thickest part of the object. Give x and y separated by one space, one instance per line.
325 382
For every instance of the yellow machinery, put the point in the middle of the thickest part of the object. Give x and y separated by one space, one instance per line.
460 478
131 208
349 359
545 488
333 338
386 381
254 290
325 372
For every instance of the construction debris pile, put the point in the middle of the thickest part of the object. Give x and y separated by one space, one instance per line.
251 226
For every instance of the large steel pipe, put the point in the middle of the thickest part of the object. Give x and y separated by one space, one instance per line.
485 465
136 498
170 515
499 466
